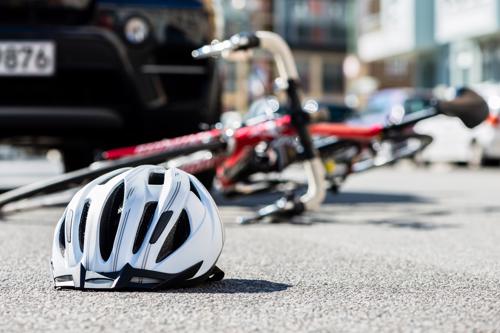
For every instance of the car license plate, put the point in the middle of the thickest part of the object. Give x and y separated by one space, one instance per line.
27 58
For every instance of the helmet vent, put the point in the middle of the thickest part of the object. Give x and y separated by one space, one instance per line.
83 223
62 235
156 178
142 230
193 189
110 220
160 226
177 236
64 278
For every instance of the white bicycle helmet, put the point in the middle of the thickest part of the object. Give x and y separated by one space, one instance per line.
146 227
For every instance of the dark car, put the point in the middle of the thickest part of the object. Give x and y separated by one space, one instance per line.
83 75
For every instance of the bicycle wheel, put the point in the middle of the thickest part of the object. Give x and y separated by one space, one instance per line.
78 177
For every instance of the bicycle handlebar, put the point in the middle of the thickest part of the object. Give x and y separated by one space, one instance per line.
238 42
287 70
266 40
468 106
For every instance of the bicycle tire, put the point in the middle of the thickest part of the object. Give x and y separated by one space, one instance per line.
77 177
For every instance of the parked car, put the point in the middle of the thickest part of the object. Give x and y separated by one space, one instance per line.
389 106
385 107
81 75
453 142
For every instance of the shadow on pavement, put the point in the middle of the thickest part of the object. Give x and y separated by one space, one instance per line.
350 198
247 201
374 197
226 286
401 223
417 225
236 286
491 209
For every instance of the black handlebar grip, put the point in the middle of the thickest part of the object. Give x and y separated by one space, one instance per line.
471 108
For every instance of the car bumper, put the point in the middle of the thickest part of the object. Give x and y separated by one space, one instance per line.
79 51
98 82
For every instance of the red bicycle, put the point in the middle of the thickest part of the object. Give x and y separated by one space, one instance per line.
234 152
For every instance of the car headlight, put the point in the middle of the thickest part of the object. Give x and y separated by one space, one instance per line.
136 30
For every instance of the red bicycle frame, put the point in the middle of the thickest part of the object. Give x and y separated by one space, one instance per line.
247 136
240 140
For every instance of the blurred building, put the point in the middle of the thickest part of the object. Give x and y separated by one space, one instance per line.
316 31
245 15
395 40
471 30
429 42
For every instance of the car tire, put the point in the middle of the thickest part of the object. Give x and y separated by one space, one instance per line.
206 178
77 157
491 162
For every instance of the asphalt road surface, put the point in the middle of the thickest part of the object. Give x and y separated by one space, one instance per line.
398 250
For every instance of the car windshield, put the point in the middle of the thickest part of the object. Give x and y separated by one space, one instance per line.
338 113
168 3
416 104
384 101
70 4
46 11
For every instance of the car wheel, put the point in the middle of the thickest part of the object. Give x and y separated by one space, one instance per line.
77 157
206 178
491 162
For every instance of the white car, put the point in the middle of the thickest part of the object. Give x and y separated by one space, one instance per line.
453 142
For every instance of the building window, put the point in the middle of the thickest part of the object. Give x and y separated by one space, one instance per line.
369 15
304 74
313 23
397 67
373 7
490 51
333 78
230 76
